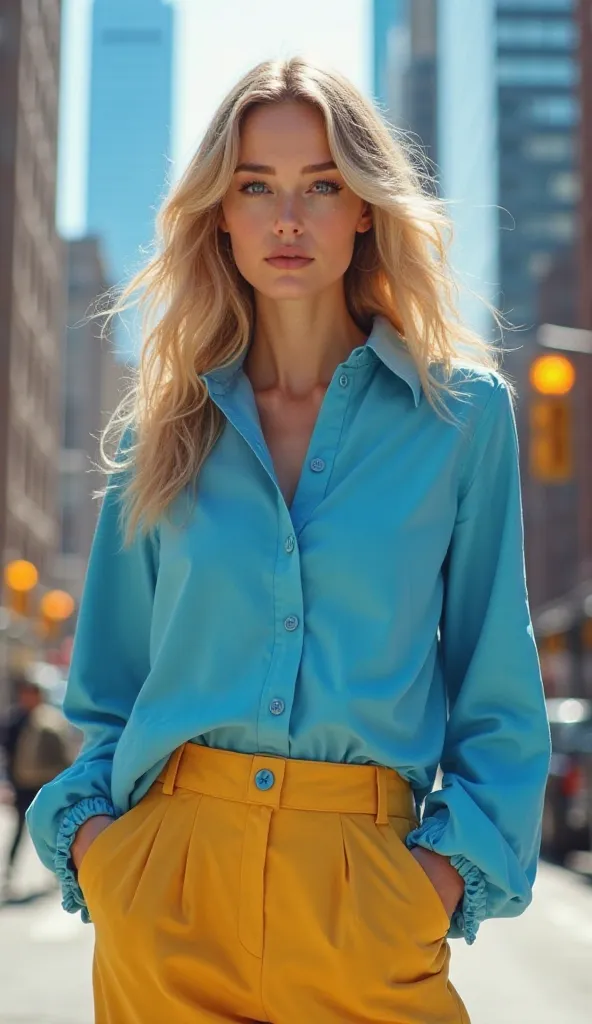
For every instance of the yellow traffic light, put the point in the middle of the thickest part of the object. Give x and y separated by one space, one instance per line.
56 606
20 577
551 440
552 374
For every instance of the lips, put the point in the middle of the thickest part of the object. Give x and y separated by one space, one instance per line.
288 262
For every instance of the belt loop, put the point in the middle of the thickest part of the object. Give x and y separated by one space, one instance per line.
171 770
382 796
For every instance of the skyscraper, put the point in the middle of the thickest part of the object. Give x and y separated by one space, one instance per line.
130 131
537 80
585 275
32 284
439 85
390 31
504 99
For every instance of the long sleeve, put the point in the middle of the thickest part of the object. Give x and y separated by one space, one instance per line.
487 816
110 661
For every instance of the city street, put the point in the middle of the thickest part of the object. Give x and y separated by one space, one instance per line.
534 970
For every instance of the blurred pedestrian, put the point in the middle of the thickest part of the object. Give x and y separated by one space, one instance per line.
308 593
36 742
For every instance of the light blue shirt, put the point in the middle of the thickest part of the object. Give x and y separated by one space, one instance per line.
382 618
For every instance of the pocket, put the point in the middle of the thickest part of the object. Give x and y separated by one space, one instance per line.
114 863
419 880
95 851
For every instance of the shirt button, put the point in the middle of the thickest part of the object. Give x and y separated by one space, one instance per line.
317 465
290 544
277 706
344 380
264 779
290 623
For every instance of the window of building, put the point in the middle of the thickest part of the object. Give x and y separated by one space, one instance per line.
554 110
537 71
71 499
548 147
131 35
564 186
521 33
526 5
539 264
559 227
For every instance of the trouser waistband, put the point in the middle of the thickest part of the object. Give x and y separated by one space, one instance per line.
288 782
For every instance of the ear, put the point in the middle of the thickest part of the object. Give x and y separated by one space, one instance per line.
222 221
365 219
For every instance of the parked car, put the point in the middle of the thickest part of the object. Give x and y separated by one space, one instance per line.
566 821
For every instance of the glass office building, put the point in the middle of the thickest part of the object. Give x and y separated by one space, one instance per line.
537 82
130 133
503 100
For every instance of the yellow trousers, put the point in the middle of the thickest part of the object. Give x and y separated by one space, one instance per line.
256 888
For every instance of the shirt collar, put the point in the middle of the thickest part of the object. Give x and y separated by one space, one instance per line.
390 348
384 340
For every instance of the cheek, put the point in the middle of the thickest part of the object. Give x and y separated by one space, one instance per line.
245 224
335 232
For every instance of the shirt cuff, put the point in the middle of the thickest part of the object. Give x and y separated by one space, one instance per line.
472 909
72 897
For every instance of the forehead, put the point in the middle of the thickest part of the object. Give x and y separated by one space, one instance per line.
284 131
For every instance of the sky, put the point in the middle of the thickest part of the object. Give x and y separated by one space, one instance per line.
216 42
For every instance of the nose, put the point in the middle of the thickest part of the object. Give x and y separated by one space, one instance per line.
288 220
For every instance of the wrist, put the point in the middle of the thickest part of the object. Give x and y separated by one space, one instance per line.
86 833
443 875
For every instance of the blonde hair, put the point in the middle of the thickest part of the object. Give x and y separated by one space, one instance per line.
198 311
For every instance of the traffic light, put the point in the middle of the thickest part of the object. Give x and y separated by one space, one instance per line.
56 607
20 578
551 419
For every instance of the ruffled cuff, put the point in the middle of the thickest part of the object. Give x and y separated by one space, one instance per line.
472 910
72 898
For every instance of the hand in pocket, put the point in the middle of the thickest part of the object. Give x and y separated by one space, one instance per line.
445 879
86 834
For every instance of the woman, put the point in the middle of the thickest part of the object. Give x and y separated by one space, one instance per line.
306 591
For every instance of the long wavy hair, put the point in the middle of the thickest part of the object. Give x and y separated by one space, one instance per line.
197 311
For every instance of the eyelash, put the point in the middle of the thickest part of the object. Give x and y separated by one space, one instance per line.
320 181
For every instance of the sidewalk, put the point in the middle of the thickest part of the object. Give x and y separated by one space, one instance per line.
45 953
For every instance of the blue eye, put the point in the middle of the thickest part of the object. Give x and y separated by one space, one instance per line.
252 184
333 187
259 188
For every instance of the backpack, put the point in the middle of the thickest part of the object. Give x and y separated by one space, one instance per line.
44 748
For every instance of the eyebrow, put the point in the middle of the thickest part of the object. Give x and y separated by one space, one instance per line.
329 165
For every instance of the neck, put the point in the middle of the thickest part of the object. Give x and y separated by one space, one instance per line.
296 346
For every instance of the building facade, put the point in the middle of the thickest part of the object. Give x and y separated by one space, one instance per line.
585 252
405 68
539 117
468 151
389 46
130 135
32 290
92 387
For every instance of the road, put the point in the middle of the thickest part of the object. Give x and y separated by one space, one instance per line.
536 969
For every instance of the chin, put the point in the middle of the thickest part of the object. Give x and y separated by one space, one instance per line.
286 289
